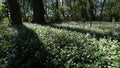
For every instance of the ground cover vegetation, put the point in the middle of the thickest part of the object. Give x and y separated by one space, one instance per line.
55 48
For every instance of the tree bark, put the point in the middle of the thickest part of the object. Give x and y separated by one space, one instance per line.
57 18
102 9
38 12
15 13
91 9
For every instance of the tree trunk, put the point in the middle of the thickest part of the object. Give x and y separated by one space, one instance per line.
38 12
91 9
113 20
89 12
15 13
63 13
102 9
56 12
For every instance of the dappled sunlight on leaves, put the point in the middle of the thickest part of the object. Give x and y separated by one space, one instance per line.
57 48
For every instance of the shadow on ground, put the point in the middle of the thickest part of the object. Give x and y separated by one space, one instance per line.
95 34
28 50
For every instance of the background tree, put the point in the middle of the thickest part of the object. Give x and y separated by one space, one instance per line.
102 9
15 13
56 11
113 10
38 12
68 10
26 10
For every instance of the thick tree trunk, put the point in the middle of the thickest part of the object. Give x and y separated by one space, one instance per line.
15 13
38 12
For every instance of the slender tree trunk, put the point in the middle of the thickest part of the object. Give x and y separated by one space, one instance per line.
56 12
91 9
68 4
113 20
38 12
88 10
15 13
102 9
63 13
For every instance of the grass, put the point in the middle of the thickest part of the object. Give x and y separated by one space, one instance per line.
33 45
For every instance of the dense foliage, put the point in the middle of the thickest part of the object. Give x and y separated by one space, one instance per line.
33 45
75 10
